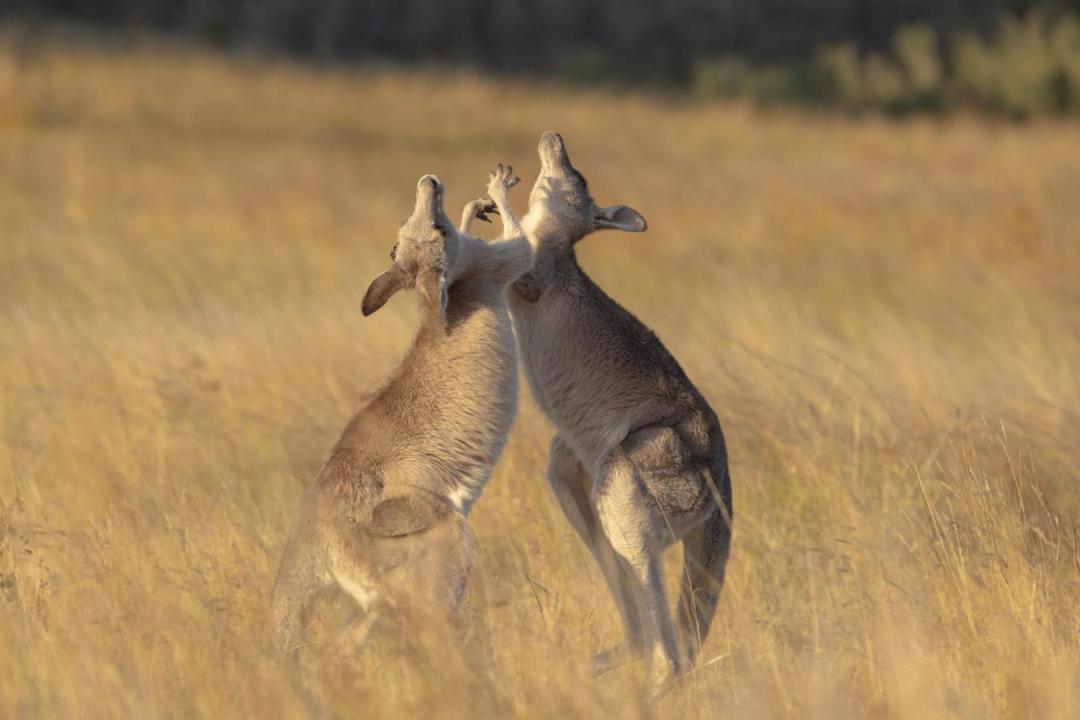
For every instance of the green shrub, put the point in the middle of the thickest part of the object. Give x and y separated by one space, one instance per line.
1029 66
1026 66
974 69
917 51
586 66
736 77
1065 46
883 83
840 71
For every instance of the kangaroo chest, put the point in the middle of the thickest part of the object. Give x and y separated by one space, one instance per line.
480 406
574 382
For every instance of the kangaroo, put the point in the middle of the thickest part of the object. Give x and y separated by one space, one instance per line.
638 462
385 519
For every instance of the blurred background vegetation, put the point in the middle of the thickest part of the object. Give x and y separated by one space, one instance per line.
884 313
1016 58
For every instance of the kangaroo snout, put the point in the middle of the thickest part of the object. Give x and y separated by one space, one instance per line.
429 196
552 152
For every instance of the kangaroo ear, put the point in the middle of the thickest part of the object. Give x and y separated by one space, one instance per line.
432 287
619 217
382 287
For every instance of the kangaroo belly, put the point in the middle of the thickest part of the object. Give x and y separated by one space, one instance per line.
586 401
480 446
484 407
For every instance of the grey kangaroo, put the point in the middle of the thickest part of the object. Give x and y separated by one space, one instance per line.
384 519
638 462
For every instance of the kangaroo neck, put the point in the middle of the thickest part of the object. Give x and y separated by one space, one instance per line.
555 260
564 266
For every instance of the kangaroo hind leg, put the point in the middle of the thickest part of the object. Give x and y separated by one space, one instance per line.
572 487
298 582
632 524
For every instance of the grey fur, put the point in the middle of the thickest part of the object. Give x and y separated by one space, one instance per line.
385 518
639 460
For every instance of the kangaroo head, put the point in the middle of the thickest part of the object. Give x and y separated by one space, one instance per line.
560 198
423 256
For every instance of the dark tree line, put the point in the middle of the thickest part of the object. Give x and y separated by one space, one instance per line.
641 40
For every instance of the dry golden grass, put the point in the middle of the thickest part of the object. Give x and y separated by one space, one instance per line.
886 317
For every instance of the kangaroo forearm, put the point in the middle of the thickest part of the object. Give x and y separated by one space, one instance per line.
467 215
502 179
516 257
511 226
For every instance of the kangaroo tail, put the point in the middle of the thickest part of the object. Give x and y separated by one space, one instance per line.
705 553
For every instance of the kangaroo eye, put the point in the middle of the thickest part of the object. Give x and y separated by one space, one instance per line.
393 253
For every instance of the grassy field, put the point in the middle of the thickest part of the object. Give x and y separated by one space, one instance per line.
885 316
